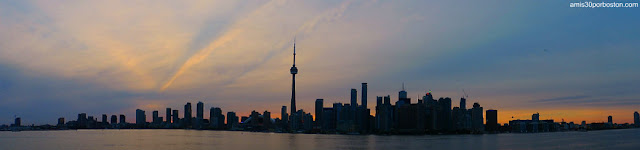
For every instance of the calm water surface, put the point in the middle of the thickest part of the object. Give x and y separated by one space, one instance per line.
228 140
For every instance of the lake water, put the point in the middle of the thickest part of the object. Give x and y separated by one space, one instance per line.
228 140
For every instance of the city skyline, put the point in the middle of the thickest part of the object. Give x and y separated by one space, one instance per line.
115 57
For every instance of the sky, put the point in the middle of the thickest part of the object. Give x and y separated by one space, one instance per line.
61 58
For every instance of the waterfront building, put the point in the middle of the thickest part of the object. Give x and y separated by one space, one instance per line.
114 119
216 118
476 118
175 117
140 118
319 114
123 119
492 120
187 115
60 122
155 118
232 120
199 115
636 119
168 116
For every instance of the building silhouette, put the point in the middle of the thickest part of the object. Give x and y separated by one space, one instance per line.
492 120
168 116
199 115
636 118
141 118
476 118
114 119
232 120
123 119
60 122
187 115
216 118
176 118
319 113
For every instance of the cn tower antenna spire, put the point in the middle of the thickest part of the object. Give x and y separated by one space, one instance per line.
294 51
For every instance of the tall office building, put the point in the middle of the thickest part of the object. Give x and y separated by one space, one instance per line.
60 122
444 114
319 106
187 115
123 119
354 98
175 116
232 120
154 117
140 118
294 71
284 117
104 119
463 103
266 119
17 122
610 120
492 120
477 118
364 95
168 115
114 119
636 118
82 120
199 114
216 118
402 97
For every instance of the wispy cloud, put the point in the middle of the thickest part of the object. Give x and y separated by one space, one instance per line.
567 98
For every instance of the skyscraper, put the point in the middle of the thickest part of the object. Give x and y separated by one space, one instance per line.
444 114
636 118
18 122
114 119
476 118
284 117
175 116
319 106
123 119
82 120
216 118
104 119
154 117
266 119
294 71
364 95
492 120
199 114
610 120
463 103
168 115
187 114
402 96
60 122
354 98
140 118
232 120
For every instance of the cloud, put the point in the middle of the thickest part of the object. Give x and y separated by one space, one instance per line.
567 98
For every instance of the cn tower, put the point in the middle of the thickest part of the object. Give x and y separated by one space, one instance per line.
294 71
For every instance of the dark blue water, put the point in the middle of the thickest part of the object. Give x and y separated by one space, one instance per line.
227 140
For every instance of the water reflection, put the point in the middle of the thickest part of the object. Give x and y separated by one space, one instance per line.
194 139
